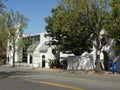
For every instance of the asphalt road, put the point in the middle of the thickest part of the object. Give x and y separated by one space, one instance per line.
28 79
19 84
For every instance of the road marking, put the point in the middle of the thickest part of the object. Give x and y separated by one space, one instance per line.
89 80
72 78
54 84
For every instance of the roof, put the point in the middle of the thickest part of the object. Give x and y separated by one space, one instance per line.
32 47
44 47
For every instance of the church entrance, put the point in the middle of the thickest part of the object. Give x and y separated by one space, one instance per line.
43 61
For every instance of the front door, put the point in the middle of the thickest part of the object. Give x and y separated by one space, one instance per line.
30 59
43 61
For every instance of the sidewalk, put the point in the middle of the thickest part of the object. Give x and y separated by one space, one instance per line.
91 72
29 68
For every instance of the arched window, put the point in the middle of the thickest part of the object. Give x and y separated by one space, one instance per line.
43 57
53 51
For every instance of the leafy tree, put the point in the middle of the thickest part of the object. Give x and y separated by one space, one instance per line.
84 19
2 6
64 26
3 32
11 27
3 36
16 22
114 22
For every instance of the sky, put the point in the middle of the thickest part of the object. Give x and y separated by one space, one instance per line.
35 10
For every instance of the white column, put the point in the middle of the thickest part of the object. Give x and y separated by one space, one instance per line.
28 59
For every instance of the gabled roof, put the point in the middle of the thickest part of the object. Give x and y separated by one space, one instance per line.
32 47
44 47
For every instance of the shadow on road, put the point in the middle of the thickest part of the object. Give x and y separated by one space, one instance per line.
6 74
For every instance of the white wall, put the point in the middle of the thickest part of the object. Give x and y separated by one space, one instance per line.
80 63
37 55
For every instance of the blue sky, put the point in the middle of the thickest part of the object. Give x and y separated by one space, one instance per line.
35 11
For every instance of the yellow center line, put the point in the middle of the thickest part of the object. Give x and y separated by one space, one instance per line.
89 80
54 84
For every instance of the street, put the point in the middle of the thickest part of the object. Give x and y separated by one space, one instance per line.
31 79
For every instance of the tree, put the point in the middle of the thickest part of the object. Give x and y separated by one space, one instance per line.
16 22
11 28
88 18
3 31
3 37
96 17
64 26
114 22
2 6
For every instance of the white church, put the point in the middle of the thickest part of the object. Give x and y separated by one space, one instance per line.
34 54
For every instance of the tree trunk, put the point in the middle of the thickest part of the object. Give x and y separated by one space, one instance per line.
98 68
13 56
